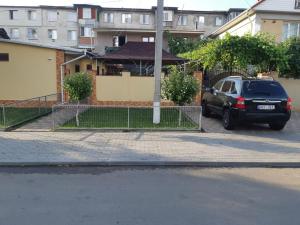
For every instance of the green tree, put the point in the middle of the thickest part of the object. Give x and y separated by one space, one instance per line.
179 87
79 87
290 67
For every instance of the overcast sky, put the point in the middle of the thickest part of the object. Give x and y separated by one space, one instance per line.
182 4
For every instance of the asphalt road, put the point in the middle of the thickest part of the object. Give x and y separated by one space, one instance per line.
130 196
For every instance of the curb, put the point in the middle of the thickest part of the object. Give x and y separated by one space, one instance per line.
155 164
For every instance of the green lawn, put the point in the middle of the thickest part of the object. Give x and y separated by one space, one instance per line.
139 118
15 116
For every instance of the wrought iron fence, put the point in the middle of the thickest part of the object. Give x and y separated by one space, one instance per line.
18 112
125 117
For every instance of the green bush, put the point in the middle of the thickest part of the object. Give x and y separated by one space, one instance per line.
179 87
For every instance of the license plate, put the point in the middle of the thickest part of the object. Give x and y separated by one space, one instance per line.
266 107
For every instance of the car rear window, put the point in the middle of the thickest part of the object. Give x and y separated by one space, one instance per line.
263 89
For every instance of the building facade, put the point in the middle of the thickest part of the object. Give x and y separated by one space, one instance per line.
100 29
276 17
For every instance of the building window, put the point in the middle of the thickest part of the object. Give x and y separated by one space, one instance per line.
14 33
32 15
201 19
148 39
126 18
4 57
219 21
86 13
168 16
86 32
297 4
32 34
72 17
13 14
119 41
182 20
52 16
77 68
72 35
89 67
291 30
145 19
52 34
108 17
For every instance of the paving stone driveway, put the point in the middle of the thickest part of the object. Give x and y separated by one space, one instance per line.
214 125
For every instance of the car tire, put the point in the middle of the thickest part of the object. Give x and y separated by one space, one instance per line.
228 121
205 110
277 126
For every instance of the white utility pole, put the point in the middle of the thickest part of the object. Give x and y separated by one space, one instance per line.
158 61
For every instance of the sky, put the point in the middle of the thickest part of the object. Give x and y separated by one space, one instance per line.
181 4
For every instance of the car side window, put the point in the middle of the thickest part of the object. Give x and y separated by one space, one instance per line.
226 86
218 85
233 88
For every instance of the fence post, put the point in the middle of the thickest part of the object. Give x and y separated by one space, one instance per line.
200 119
128 118
45 109
53 118
4 119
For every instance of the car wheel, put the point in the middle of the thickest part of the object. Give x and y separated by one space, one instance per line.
205 110
277 126
228 121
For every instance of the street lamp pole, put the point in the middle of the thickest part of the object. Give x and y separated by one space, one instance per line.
158 61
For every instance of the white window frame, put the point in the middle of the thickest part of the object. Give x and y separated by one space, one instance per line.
148 39
87 32
219 19
201 19
12 33
145 19
52 34
32 36
126 18
72 35
182 20
168 16
86 13
72 17
289 34
52 16
12 14
32 15
108 17
297 4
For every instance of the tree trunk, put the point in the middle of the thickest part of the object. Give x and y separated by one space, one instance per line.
77 115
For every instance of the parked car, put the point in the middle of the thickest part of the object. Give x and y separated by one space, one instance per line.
239 99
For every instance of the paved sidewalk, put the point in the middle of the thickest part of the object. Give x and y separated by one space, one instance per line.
158 147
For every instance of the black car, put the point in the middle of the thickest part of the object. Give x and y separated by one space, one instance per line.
239 99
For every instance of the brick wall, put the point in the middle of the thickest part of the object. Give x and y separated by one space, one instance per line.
199 76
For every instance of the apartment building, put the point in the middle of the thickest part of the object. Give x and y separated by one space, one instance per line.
41 24
101 29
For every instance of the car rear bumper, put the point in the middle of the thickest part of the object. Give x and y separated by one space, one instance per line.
261 117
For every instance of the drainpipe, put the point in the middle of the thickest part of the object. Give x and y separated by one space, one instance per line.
62 75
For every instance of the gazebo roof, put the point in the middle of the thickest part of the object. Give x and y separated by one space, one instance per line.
139 51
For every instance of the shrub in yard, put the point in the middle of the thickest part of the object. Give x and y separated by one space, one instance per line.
179 87
79 87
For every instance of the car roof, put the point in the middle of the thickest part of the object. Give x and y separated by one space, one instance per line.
243 78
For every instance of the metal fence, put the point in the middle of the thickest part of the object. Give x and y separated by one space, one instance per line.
125 117
18 112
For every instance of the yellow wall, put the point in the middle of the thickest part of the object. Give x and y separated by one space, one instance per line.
292 87
124 88
30 72
273 27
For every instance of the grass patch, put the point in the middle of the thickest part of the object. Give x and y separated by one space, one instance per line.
139 118
15 116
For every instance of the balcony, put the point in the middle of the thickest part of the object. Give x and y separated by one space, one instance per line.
168 24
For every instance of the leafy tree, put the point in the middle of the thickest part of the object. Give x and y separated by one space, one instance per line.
290 67
179 87
180 45
232 52
79 87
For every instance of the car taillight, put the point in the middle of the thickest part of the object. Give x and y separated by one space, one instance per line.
240 103
289 104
